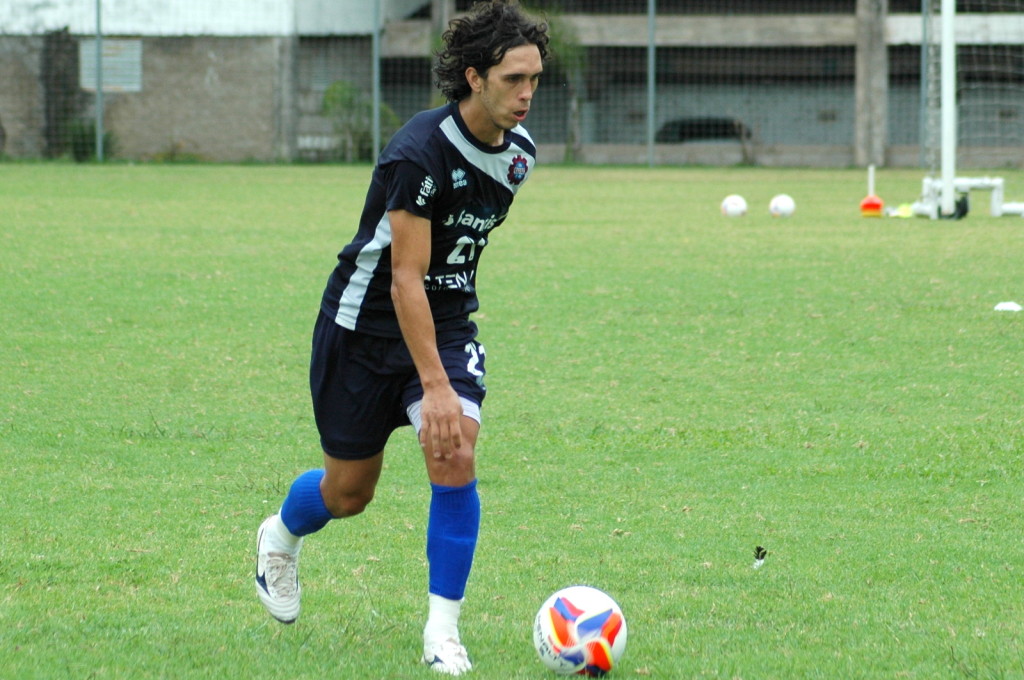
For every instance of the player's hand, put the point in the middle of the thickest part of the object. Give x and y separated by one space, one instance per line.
441 423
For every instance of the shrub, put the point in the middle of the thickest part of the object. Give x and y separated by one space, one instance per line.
82 140
350 110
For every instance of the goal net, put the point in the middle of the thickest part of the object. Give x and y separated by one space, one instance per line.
972 93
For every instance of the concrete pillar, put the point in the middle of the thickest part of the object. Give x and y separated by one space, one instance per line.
441 12
287 104
871 135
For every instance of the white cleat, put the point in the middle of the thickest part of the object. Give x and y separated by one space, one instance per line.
277 579
447 656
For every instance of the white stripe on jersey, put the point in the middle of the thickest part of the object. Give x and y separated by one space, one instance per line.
493 164
359 282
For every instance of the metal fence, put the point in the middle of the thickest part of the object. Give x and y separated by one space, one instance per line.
764 82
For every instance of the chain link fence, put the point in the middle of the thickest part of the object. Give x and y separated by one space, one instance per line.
761 82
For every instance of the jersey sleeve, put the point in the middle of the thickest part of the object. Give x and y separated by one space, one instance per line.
411 188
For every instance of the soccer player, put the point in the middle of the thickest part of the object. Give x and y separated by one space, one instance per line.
394 344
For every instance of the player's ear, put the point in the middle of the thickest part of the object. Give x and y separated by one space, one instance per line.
475 80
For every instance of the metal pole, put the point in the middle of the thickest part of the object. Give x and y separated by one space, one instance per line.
651 78
949 117
99 80
922 131
376 79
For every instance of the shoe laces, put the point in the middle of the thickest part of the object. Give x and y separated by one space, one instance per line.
451 657
282 574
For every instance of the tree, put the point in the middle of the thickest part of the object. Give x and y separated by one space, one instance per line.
569 57
350 110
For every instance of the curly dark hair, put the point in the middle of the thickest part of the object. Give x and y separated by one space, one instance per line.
480 40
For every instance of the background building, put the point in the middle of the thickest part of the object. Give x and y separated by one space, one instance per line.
782 82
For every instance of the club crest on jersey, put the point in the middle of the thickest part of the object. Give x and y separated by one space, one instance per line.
459 178
427 189
517 170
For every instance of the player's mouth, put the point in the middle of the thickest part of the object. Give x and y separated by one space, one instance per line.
520 116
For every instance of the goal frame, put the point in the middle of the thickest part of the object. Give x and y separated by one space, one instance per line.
945 196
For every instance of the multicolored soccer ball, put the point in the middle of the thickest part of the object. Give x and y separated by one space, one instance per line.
734 205
782 205
580 630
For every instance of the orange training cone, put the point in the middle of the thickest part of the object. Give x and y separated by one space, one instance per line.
872 205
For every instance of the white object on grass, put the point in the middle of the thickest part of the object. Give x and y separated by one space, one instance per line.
782 205
734 205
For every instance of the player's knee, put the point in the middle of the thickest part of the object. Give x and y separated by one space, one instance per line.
458 470
464 458
346 504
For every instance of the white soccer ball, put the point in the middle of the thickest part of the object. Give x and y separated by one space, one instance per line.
580 630
734 205
782 205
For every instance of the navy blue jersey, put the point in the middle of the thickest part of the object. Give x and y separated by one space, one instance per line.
434 168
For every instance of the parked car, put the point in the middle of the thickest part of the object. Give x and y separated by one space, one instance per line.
697 128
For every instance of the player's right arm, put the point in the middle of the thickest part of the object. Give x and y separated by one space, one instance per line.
441 411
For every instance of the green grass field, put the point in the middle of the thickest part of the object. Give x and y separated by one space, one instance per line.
668 390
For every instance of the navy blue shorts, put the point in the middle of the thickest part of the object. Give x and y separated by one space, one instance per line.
362 385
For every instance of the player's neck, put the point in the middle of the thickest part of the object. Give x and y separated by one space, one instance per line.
479 123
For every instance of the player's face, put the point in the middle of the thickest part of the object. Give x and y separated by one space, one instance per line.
505 94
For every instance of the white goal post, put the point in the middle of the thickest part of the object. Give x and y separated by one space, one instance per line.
945 196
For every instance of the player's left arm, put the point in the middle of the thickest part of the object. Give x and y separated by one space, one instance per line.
441 410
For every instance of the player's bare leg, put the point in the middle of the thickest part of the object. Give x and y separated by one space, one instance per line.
451 543
342 489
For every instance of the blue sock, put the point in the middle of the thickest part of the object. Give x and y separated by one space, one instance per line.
451 538
303 511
